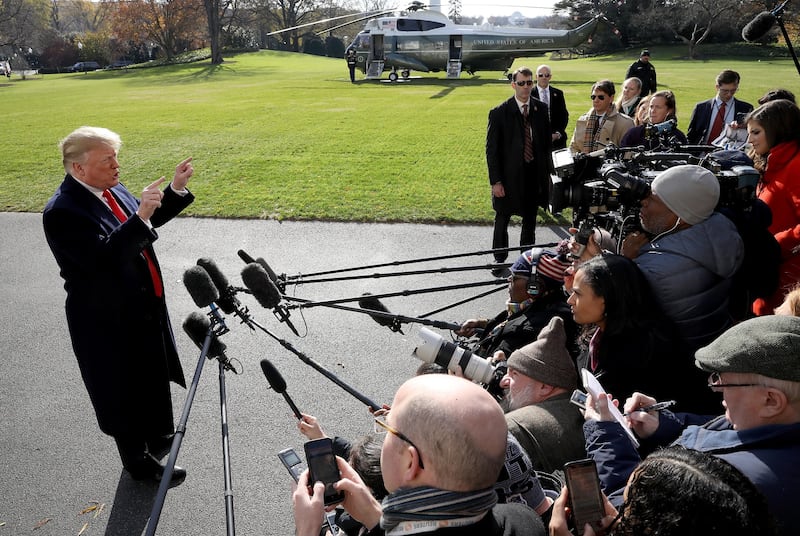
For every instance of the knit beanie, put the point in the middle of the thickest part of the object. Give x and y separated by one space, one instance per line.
546 359
690 191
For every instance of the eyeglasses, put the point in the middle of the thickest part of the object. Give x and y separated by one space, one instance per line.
383 424
716 385
522 83
544 75
599 97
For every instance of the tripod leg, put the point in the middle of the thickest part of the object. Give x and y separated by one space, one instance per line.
226 455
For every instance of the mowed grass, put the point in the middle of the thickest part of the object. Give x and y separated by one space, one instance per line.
286 136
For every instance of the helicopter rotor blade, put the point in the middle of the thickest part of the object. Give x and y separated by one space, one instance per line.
322 21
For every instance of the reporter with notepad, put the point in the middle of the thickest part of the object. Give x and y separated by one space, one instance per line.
627 342
754 365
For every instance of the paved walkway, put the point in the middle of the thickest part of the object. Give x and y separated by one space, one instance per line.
54 462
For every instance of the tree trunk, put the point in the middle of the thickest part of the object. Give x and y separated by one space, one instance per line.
214 30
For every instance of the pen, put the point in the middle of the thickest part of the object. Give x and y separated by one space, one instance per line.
658 406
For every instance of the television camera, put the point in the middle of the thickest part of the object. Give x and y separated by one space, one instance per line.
605 188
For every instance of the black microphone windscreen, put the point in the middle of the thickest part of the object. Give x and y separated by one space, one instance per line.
249 260
225 301
368 301
264 290
759 26
200 286
274 377
196 327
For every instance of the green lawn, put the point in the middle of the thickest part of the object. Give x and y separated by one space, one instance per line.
286 136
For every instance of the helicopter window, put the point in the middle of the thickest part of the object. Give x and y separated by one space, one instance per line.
416 25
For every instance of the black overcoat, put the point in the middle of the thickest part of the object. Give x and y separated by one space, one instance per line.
120 330
505 145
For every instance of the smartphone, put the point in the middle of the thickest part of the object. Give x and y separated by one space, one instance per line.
292 462
322 468
585 495
578 398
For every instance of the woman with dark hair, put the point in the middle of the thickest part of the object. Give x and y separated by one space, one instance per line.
774 135
602 125
677 491
632 345
661 109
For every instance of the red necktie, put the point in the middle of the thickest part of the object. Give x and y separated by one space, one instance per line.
528 154
719 121
158 287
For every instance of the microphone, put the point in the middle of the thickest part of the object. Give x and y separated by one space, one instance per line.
370 303
196 327
759 26
265 292
278 385
249 260
227 294
203 292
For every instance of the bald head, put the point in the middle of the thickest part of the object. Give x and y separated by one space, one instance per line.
459 428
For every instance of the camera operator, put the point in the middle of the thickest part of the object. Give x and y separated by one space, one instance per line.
656 132
690 254
535 296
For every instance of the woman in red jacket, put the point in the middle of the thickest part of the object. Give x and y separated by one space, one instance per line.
774 133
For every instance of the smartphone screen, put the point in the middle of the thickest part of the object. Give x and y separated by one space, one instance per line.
585 496
292 462
322 467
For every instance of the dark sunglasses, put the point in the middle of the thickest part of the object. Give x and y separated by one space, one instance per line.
543 75
601 97
524 83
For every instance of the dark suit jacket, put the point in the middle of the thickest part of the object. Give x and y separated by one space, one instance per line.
120 330
559 116
505 145
700 123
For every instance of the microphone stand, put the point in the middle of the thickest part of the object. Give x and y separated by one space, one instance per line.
309 303
301 278
180 430
319 368
778 12
397 274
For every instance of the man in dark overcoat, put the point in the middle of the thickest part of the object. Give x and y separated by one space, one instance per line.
519 177
101 237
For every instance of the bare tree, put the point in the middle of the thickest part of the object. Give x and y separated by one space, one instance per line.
215 11
690 21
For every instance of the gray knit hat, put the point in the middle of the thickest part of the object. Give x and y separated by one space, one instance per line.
690 191
546 359
766 345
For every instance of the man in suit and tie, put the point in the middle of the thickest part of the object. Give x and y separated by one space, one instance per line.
518 147
710 117
101 237
556 104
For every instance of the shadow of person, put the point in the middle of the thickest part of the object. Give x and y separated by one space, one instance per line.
133 502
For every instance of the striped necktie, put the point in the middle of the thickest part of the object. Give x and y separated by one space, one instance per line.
528 154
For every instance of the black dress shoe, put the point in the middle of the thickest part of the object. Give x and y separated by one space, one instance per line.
149 469
160 446
500 269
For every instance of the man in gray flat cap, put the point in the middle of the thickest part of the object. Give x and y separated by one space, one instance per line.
541 377
756 367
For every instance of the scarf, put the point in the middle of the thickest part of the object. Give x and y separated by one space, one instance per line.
592 128
625 106
425 509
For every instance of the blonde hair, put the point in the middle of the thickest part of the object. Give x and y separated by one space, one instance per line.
82 140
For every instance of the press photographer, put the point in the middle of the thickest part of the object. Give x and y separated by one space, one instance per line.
660 131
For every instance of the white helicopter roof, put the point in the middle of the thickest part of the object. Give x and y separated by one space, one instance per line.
389 24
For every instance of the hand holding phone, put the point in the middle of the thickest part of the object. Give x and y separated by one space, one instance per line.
322 467
585 495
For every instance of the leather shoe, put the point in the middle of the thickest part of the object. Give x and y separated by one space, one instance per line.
500 269
160 446
149 469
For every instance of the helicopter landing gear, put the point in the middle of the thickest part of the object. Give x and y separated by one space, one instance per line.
393 76
405 73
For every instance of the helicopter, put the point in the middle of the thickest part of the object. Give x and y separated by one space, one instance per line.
426 40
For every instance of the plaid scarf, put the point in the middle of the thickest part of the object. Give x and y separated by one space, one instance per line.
425 509
590 134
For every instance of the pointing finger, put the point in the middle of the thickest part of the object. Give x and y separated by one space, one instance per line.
155 184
